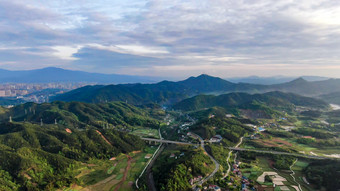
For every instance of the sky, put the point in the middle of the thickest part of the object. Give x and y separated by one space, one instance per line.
177 38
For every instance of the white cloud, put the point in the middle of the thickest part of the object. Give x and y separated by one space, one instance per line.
66 52
219 36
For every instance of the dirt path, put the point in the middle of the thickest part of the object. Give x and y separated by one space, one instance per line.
102 185
108 142
293 173
229 167
125 173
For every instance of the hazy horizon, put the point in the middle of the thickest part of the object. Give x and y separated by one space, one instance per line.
182 77
173 39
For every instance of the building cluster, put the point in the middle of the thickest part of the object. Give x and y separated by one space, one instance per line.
238 174
195 179
22 89
216 139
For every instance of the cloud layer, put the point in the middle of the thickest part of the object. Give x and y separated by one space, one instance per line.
173 38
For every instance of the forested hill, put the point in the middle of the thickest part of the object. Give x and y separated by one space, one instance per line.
167 92
249 101
81 115
164 91
44 158
331 98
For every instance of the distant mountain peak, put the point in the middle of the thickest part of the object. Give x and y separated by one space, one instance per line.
204 77
299 80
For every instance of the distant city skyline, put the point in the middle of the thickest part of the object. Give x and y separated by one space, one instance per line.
173 38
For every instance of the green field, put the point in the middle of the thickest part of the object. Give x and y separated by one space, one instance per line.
146 132
262 165
106 175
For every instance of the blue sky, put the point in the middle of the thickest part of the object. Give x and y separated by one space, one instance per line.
177 38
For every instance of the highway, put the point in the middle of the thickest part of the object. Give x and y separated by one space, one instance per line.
150 182
240 149
167 141
281 153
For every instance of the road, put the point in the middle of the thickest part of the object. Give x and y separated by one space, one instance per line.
125 173
167 141
292 175
282 153
243 149
217 165
151 183
229 167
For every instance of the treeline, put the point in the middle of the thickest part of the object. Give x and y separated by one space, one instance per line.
320 134
229 128
82 115
44 158
175 174
267 102
324 173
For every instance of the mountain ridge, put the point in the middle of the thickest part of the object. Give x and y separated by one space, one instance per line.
168 92
54 74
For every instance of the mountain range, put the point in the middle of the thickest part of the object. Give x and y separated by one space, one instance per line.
272 80
248 101
52 74
167 92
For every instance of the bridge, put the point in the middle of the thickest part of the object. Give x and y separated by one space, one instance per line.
281 153
167 141
239 149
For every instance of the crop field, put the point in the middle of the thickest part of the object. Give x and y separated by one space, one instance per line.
146 132
263 164
107 175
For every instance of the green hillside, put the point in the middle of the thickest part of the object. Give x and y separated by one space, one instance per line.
42 158
164 92
168 92
82 115
331 98
265 102
229 128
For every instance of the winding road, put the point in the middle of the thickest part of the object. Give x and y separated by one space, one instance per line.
217 165
292 175
229 167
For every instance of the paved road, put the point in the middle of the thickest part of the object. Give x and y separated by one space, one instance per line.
240 149
167 141
217 165
281 153
151 183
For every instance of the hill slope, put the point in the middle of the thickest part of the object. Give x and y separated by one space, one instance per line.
162 92
167 92
82 115
43 158
331 98
248 101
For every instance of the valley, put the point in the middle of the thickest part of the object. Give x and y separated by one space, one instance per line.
233 141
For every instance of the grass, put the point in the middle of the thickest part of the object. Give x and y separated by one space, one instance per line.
97 170
262 165
146 132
